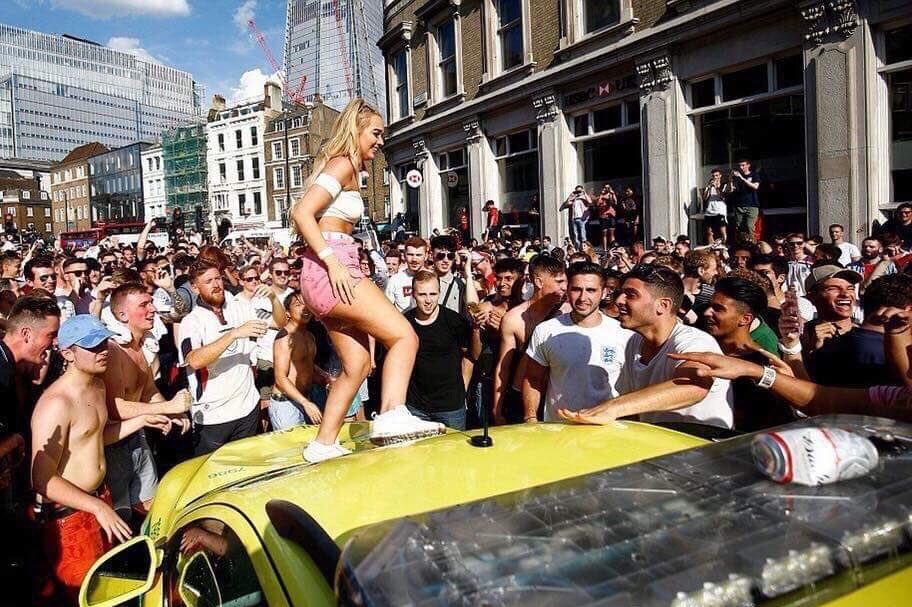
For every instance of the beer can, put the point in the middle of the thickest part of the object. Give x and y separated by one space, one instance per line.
813 456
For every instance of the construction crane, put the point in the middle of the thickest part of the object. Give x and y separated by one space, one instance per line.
341 34
296 95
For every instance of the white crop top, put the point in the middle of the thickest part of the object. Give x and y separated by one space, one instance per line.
346 204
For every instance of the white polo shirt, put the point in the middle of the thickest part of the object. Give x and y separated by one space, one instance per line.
262 307
224 391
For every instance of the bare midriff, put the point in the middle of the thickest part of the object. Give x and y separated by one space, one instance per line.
335 224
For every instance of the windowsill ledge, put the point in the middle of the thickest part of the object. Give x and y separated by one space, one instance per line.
509 77
623 28
447 103
401 122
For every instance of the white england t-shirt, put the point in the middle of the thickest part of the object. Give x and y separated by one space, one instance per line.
262 307
224 391
584 362
399 290
715 409
848 253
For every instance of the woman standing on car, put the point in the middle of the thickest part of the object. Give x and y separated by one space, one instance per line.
352 309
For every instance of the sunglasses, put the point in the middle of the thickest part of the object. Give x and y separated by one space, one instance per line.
445 255
77 273
796 243
250 278
47 277
280 272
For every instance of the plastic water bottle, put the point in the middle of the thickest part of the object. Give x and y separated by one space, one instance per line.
813 456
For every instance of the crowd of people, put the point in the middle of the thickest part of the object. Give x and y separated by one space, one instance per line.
122 359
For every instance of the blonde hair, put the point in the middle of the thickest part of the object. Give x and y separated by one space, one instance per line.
343 140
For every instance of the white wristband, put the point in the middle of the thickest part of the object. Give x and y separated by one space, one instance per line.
766 380
325 253
796 349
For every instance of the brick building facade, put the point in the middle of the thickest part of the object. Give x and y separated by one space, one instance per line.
520 100
70 193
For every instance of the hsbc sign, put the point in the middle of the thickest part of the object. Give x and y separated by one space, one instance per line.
604 88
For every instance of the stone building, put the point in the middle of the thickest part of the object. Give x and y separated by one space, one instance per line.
153 183
520 100
70 208
25 204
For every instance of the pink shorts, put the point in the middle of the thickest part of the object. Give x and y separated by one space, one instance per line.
315 288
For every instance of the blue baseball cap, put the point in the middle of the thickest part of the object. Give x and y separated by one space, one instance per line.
82 330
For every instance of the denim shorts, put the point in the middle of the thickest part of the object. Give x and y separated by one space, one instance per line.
287 413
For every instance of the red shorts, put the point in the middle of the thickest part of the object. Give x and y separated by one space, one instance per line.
72 543
316 291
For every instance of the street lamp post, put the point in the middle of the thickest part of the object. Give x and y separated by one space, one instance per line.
287 170
66 210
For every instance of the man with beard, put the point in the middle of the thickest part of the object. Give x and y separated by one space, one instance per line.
653 386
218 339
872 264
578 355
735 305
131 392
549 282
270 309
489 315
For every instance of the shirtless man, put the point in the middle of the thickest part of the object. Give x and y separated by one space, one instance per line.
69 430
131 392
488 315
549 281
293 351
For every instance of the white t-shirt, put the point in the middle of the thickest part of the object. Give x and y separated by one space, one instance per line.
584 362
716 407
399 290
224 391
848 252
262 307
579 207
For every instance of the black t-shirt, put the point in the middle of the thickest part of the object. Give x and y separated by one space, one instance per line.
757 408
854 359
742 195
436 384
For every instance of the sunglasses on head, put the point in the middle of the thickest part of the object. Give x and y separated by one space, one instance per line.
441 255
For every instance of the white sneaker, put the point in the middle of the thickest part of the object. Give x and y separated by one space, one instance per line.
398 425
316 452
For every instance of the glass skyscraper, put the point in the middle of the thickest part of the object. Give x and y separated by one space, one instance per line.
59 92
334 44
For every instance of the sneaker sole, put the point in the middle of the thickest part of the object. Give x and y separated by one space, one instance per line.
395 439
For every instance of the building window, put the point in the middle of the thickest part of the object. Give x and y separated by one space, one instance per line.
296 176
278 178
256 167
756 113
242 204
454 184
221 142
257 204
277 150
239 139
240 170
254 139
509 33
898 76
597 14
26 195
47 227
517 163
223 173
399 84
29 212
294 148
47 212
150 164
410 196
447 75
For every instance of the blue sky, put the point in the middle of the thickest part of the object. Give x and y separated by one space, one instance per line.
207 38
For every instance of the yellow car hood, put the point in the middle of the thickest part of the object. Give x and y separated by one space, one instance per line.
376 484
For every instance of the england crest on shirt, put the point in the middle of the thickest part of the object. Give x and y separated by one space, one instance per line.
609 354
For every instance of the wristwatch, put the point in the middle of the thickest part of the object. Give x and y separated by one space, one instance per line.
766 380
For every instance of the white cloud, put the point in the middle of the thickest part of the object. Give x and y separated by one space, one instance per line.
102 9
250 86
244 13
131 45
